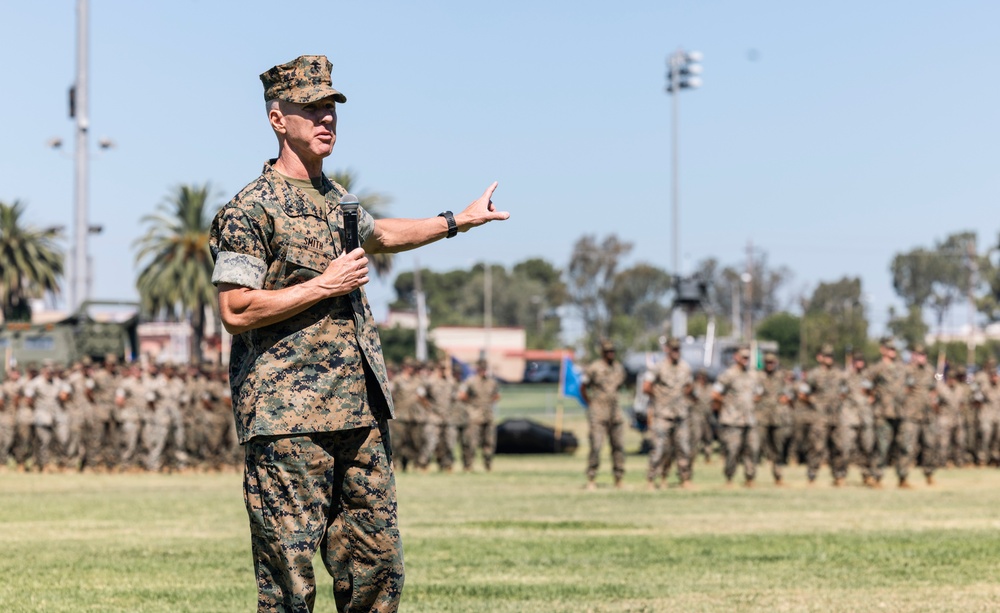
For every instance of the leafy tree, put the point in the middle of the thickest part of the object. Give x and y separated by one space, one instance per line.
726 285
528 296
376 204
400 343
592 269
637 305
786 330
909 327
835 314
175 262
698 325
30 262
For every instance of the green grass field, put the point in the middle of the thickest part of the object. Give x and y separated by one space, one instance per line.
525 538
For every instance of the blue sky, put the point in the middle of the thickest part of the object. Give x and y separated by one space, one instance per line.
831 135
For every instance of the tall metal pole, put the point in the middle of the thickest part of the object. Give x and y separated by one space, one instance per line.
675 189
421 349
80 272
487 309
970 359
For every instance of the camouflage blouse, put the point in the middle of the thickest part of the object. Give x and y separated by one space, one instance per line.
305 373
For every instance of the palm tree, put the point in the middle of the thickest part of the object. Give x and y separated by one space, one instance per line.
177 275
373 202
30 263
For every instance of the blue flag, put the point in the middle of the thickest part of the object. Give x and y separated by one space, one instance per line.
571 381
464 368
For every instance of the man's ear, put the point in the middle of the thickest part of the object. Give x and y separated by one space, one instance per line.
277 120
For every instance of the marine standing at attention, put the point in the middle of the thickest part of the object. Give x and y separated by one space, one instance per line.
599 386
309 387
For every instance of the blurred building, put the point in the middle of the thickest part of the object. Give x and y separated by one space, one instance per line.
502 347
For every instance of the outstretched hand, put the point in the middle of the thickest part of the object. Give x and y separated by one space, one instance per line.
480 211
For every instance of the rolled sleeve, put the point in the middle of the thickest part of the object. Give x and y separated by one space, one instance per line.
239 269
240 254
366 225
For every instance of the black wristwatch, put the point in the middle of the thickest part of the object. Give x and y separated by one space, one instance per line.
452 226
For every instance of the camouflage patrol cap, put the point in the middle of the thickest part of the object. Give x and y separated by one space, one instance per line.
919 348
607 346
744 352
826 350
674 344
887 342
770 357
303 80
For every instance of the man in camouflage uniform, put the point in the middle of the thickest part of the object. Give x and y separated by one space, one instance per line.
925 451
774 416
24 420
599 386
735 392
9 397
819 405
132 401
480 392
858 418
952 398
47 395
703 420
101 432
440 396
408 403
309 386
888 379
669 386
986 397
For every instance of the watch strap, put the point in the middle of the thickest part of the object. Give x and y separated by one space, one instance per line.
452 226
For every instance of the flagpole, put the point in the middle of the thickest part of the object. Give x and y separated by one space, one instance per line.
559 401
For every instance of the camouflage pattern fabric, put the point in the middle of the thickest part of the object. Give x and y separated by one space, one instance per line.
333 492
774 420
604 415
318 373
669 413
737 387
305 373
951 401
303 80
737 421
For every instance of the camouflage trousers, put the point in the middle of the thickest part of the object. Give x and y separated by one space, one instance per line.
334 492
46 446
7 427
926 454
775 446
951 442
406 442
989 438
479 436
614 431
671 441
811 438
740 443
702 433
896 441
437 446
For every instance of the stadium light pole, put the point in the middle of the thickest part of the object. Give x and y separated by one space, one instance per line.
79 110
683 70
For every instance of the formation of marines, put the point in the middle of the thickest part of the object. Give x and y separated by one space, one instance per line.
116 417
889 415
440 414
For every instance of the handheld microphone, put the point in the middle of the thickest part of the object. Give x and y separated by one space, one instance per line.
349 206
